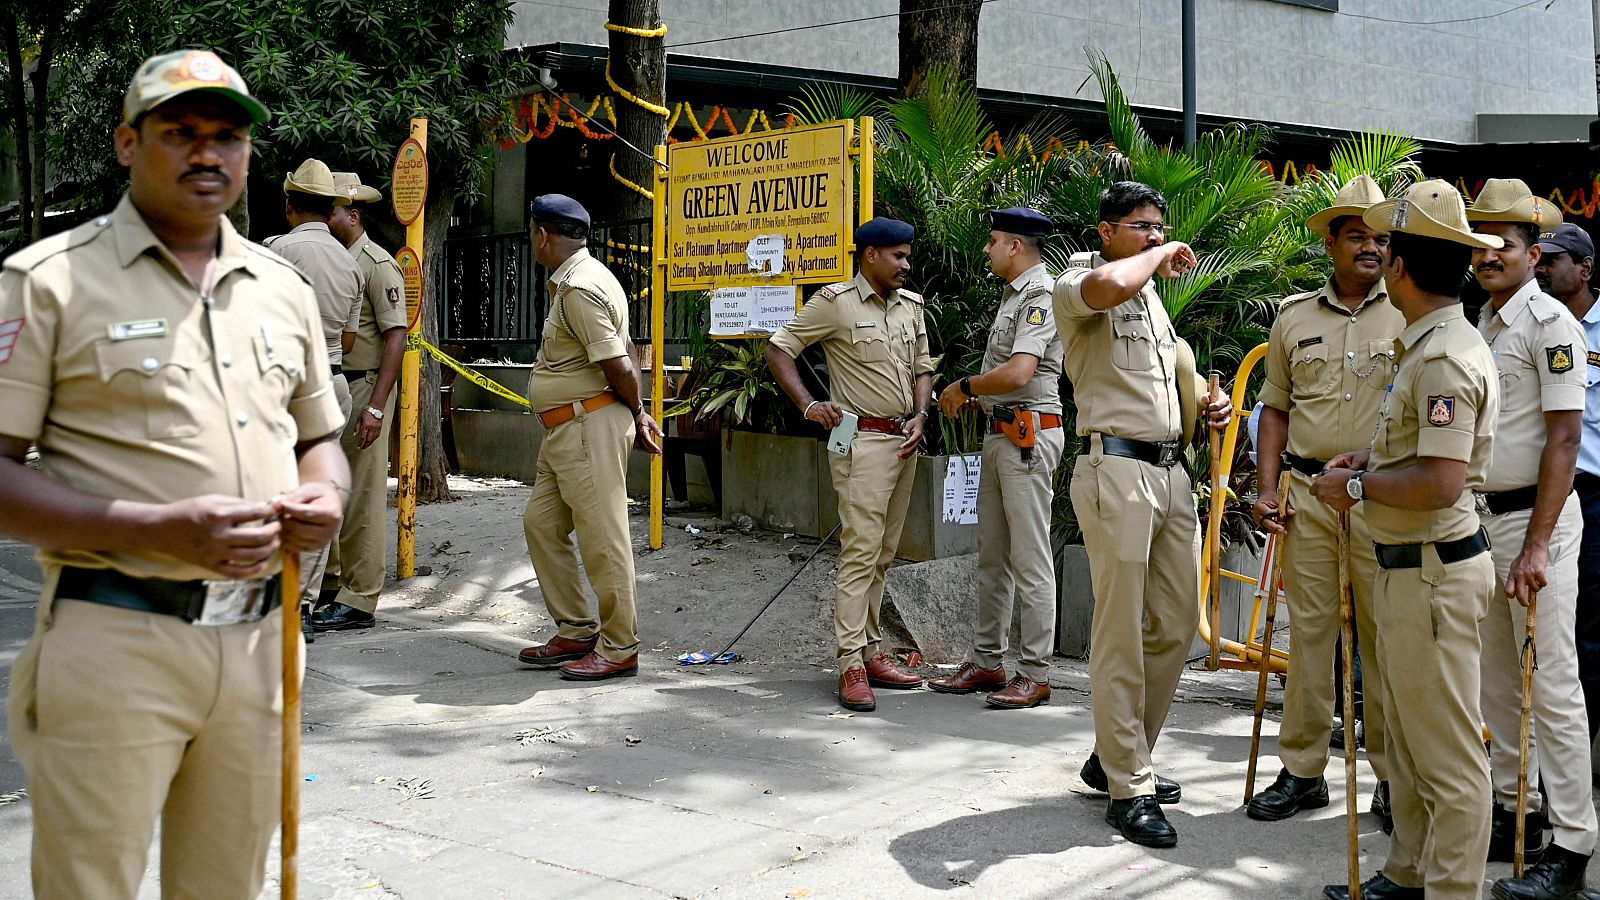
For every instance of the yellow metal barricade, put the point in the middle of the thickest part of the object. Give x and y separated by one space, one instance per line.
1235 655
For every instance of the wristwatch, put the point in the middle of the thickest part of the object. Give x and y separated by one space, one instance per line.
375 413
966 387
1353 487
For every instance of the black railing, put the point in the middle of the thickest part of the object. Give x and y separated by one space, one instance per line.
495 292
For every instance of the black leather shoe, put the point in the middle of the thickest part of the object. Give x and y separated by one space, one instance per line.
305 624
1556 876
1503 835
338 617
1375 888
1141 821
1382 807
1585 895
1168 791
1287 796
1336 736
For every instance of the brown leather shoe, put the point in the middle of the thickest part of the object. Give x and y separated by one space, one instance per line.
854 692
970 677
595 667
883 672
558 651
1021 693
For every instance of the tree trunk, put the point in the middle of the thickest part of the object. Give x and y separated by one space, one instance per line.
938 33
41 108
239 212
432 484
639 66
17 100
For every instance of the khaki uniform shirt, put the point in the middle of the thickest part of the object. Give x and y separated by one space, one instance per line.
1540 354
1026 324
383 304
1444 404
1330 368
876 349
1122 360
327 265
135 388
587 322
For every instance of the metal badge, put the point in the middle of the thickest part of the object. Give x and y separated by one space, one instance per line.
234 602
1402 215
127 331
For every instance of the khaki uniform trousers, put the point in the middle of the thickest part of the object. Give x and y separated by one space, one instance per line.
314 565
874 489
1311 583
362 551
121 718
1559 740
1428 646
581 486
1014 558
1143 538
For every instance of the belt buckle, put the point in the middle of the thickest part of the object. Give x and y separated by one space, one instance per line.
1168 454
1480 503
233 602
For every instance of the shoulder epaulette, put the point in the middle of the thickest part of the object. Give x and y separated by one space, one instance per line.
1438 347
1545 308
832 290
266 253
29 257
913 296
1037 292
1083 260
1296 298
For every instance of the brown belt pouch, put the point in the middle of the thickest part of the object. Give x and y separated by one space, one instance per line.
1017 424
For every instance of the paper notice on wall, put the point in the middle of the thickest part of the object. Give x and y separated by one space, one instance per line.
765 254
961 489
750 310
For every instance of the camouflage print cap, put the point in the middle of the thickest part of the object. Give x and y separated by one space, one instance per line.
169 75
349 184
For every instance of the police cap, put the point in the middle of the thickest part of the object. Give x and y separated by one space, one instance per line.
882 232
1021 220
558 208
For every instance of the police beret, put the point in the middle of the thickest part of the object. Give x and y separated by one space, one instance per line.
558 208
881 232
1021 220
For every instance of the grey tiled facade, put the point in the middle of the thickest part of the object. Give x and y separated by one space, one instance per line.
1257 59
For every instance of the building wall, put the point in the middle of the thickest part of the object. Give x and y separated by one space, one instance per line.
1257 59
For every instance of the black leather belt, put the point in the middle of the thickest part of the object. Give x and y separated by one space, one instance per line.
1409 556
186 600
1502 502
1586 482
355 374
1156 453
1310 468
336 371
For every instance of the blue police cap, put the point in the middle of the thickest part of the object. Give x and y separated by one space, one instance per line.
558 208
1021 220
881 232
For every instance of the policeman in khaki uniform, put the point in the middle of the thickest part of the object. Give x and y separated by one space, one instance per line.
586 391
1535 526
356 563
1138 398
1020 380
309 199
174 379
1331 357
1430 451
873 333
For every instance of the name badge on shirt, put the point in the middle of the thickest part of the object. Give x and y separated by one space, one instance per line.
1594 358
127 331
866 324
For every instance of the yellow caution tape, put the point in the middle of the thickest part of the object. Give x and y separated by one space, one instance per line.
414 341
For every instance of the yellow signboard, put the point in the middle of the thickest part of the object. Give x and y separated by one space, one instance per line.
411 275
408 184
775 208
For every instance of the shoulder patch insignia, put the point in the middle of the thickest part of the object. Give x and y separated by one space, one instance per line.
10 330
1441 409
1036 315
393 295
1559 358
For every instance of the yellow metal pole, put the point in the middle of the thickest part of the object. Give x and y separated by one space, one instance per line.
410 400
865 199
658 327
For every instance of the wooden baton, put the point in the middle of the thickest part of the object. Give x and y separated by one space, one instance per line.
289 846
1274 575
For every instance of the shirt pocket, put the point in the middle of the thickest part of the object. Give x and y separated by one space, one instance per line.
159 376
1378 364
281 365
1512 373
1002 336
1132 346
1310 370
869 344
